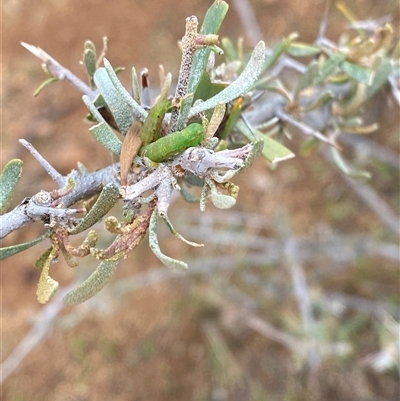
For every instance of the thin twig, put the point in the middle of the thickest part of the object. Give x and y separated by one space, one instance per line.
248 20
54 174
43 324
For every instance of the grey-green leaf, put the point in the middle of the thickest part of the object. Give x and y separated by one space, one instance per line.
155 247
246 79
299 49
117 105
8 251
105 202
8 180
93 284
358 73
89 61
106 136
136 108
329 67
211 24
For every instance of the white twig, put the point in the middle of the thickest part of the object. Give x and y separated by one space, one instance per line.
54 174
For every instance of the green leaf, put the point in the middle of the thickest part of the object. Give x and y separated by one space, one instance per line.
8 180
206 88
345 168
151 128
229 50
93 284
273 151
8 251
308 146
300 49
278 50
44 84
89 61
242 84
211 24
117 105
105 202
106 136
329 67
358 73
381 76
155 247
308 77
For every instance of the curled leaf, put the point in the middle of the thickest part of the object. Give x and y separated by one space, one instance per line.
47 286
176 234
93 284
219 200
345 168
155 247
44 84
107 199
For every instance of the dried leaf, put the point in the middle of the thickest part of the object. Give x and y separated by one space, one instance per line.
47 286
130 147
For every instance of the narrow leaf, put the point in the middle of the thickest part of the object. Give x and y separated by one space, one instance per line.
358 73
155 247
211 24
243 83
273 151
93 284
136 108
119 108
308 77
44 84
8 251
47 286
104 203
299 49
106 136
8 180
89 61
130 147
176 234
329 67
345 168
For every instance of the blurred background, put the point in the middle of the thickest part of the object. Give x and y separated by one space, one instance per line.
295 295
